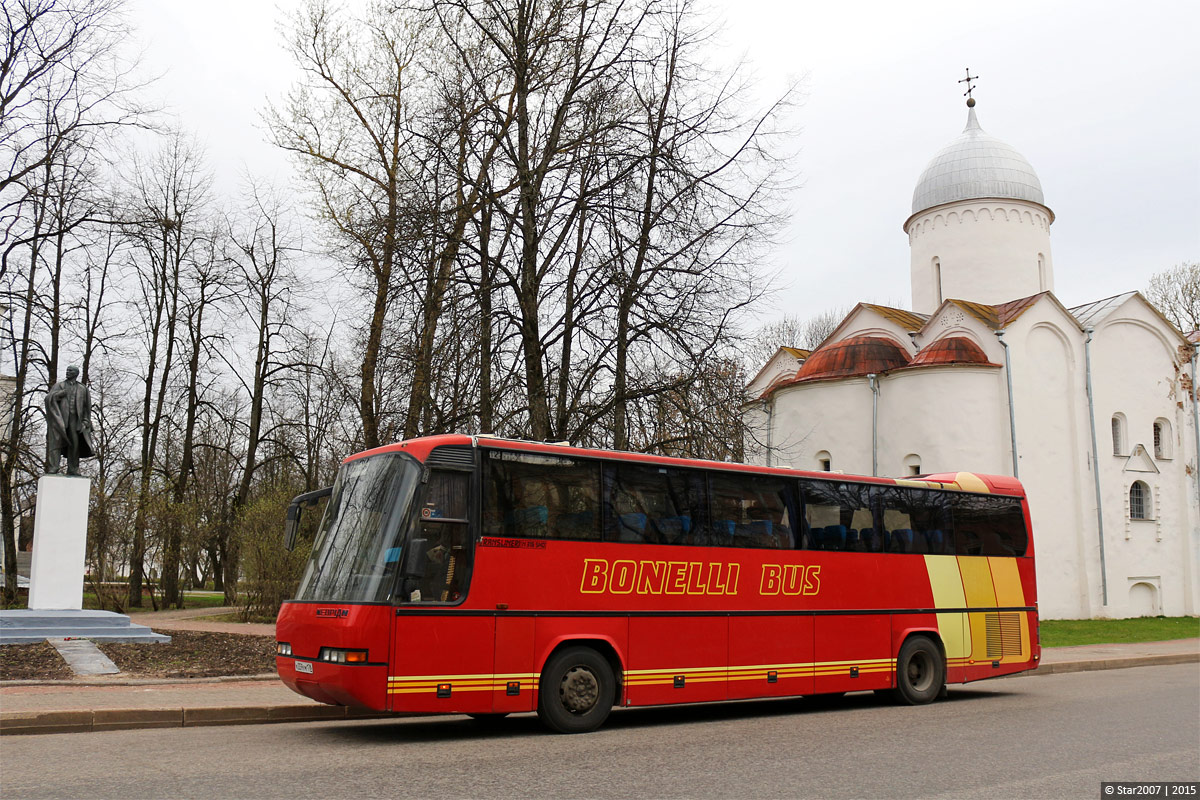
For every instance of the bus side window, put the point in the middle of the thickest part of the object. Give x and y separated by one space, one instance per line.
535 496
915 520
753 511
838 516
989 525
652 504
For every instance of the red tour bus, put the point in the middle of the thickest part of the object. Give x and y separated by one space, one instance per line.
484 576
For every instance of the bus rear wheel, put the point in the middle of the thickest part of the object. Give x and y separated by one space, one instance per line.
920 672
576 691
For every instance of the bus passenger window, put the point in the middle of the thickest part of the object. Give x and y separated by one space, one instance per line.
989 525
914 520
651 504
753 511
837 516
530 495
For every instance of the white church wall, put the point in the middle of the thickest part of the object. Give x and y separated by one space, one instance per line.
1052 445
949 416
1136 371
831 417
986 251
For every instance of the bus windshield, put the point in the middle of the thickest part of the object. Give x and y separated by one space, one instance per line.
357 550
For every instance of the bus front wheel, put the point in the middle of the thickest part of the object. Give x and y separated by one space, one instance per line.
576 690
920 672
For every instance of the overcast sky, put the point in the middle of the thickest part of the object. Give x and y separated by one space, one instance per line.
1100 97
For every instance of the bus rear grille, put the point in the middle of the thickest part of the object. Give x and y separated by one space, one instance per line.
1003 634
452 455
1010 633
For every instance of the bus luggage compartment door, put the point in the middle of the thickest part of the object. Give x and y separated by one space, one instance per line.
677 660
853 652
770 656
442 663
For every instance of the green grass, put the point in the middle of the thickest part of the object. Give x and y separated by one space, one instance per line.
1069 632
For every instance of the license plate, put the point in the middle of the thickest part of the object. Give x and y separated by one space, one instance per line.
304 666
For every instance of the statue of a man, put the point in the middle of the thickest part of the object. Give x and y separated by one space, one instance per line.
68 423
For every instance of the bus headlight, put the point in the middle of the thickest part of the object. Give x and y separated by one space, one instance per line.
337 655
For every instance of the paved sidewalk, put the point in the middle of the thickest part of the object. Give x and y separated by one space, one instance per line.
113 704
199 619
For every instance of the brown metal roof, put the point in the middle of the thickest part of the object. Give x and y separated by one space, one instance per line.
999 316
857 355
909 320
951 350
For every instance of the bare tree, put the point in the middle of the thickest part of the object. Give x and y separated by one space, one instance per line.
349 126
1176 293
262 243
168 226
63 88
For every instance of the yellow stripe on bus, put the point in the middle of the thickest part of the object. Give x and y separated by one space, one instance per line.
946 581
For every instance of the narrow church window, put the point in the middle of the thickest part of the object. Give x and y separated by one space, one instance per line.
825 461
937 279
1117 434
1139 501
1042 272
1162 439
912 464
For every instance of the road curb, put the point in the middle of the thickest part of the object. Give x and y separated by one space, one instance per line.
109 719
1164 659
16 723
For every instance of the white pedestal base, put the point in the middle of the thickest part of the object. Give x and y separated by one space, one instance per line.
59 542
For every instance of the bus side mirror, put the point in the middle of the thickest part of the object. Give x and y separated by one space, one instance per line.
291 525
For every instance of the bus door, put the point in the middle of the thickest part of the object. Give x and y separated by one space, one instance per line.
516 682
442 659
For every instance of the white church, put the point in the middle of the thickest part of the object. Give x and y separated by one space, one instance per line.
1093 408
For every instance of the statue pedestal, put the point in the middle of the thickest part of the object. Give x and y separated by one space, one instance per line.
59 542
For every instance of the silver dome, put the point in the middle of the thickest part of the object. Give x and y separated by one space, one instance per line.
976 165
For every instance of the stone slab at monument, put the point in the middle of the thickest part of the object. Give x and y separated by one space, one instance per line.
25 626
56 576
59 542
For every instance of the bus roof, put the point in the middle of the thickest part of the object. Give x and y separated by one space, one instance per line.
420 448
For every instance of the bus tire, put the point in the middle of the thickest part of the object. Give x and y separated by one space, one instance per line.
576 690
920 672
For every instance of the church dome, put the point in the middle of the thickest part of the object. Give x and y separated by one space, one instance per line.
975 166
853 356
951 350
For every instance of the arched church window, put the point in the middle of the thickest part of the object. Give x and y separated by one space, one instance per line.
1118 434
1162 439
1139 501
1042 272
912 464
937 279
824 461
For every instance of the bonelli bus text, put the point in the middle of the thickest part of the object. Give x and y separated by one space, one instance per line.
482 576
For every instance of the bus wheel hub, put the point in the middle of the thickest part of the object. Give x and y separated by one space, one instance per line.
580 690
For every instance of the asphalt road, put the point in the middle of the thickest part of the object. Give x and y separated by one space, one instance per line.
1053 736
